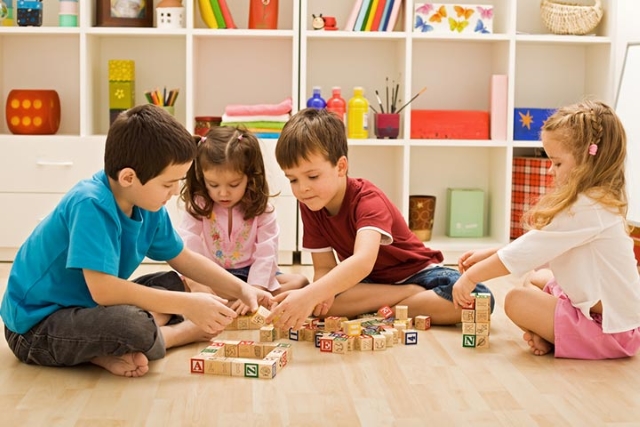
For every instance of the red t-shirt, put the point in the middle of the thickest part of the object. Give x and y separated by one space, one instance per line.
365 206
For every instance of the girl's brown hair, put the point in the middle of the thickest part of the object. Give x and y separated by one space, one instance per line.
592 132
239 151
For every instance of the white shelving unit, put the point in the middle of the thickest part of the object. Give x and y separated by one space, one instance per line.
544 71
213 68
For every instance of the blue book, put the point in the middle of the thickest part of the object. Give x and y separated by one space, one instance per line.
385 15
362 15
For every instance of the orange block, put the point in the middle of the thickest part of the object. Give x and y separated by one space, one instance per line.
33 111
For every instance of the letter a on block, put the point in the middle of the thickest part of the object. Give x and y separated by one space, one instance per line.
197 366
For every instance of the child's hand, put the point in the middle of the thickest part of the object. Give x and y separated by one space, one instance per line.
293 309
253 296
461 292
239 307
470 258
209 312
323 308
264 298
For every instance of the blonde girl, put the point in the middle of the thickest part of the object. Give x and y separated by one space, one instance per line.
586 304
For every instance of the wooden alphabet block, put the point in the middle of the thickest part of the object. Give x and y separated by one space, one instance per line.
332 323
422 322
267 333
340 345
468 340
468 316
482 316
267 369
294 335
231 348
379 342
364 343
197 365
243 322
260 316
409 336
352 327
468 328
388 335
219 366
482 341
245 349
385 312
482 328
287 348
402 312
326 344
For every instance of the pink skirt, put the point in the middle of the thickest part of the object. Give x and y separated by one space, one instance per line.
578 337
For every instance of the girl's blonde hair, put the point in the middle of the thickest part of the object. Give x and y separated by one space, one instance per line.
592 132
237 150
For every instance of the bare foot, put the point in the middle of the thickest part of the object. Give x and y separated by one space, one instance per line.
127 365
183 333
539 346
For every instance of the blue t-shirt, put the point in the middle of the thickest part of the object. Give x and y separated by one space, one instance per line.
87 230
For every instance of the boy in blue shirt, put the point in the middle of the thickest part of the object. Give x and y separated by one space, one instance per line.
67 300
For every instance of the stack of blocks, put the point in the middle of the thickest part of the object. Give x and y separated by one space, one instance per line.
476 321
243 358
372 332
122 94
265 359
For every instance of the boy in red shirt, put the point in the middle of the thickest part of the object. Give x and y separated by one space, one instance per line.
381 261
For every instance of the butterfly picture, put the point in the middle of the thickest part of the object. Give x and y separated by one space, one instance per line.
485 13
463 12
437 16
458 26
425 9
422 25
481 28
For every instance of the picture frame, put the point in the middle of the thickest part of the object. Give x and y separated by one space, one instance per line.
110 14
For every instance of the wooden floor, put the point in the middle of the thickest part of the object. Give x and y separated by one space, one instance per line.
436 383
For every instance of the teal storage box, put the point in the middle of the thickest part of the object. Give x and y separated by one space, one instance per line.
465 212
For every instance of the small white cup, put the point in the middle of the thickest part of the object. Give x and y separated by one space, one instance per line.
169 17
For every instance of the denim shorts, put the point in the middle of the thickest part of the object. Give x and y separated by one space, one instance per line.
441 281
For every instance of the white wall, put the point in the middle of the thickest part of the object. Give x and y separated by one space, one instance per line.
627 31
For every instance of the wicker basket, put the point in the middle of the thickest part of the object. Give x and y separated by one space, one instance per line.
569 18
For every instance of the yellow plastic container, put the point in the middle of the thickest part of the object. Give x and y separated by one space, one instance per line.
358 115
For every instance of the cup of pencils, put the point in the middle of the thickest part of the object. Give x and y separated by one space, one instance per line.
163 99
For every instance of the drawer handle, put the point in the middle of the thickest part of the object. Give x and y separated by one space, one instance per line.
49 163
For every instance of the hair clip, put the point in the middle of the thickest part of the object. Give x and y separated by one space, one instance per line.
240 137
593 149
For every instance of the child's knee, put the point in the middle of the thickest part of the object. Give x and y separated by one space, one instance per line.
137 330
513 300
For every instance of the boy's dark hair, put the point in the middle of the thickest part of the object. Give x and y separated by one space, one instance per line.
311 131
237 150
146 139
